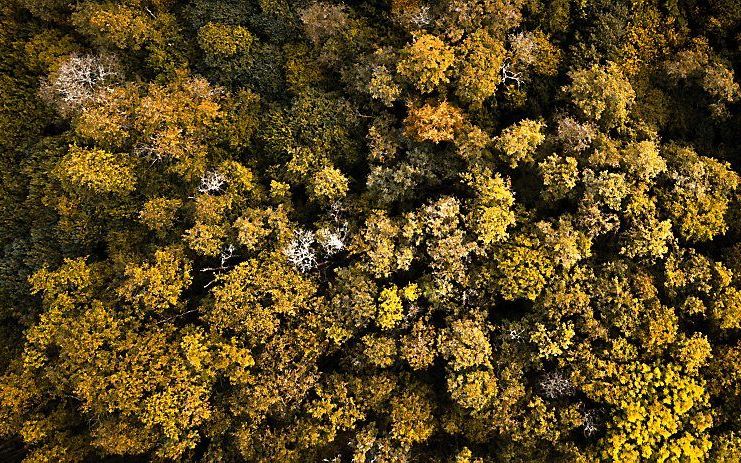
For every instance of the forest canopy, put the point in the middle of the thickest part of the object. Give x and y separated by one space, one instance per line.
388 231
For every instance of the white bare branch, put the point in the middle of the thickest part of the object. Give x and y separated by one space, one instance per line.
509 75
226 254
555 385
211 183
421 18
79 78
592 420
300 251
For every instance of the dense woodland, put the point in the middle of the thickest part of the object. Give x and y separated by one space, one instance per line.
370 231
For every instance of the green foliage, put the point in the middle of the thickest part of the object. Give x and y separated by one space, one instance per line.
227 48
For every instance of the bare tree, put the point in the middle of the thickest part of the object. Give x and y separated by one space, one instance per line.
555 385
226 254
300 251
509 75
332 238
79 78
211 182
592 421
417 17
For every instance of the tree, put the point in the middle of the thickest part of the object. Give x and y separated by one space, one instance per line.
601 94
517 143
434 123
709 183
492 214
560 175
514 278
79 78
481 63
426 62
227 49
96 171
157 287
662 415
